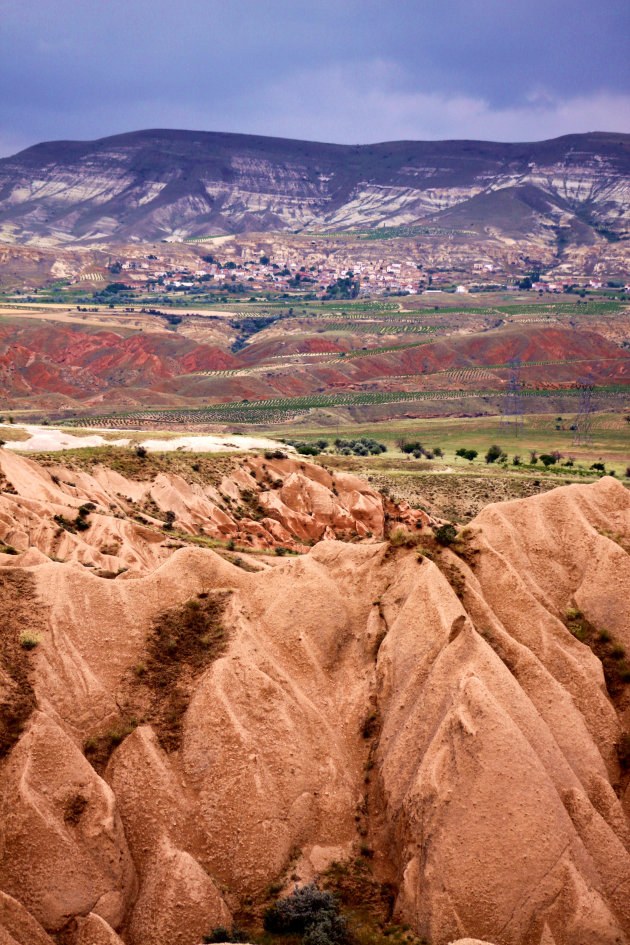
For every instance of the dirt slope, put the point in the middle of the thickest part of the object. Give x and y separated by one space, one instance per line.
198 728
62 359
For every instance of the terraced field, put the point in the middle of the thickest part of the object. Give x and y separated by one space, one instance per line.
262 360
277 409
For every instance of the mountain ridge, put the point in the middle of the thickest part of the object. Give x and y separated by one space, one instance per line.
161 183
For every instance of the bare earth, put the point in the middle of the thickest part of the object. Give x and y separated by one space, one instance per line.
190 728
44 439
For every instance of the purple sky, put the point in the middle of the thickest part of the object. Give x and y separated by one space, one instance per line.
344 71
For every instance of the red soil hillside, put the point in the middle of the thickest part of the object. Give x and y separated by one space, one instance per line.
287 345
57 363
488 348
179 738
584 352
60 359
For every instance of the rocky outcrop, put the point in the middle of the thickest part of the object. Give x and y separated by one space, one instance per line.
456 718
153 184
113 523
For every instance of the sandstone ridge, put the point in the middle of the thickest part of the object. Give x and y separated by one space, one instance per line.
442 717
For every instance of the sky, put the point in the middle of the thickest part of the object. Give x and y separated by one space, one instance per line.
350 71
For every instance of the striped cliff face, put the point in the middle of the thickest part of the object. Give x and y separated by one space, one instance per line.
160 184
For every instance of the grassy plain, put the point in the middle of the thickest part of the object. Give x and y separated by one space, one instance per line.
541 432
455 488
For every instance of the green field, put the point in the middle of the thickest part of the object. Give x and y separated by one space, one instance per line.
281 409
541 432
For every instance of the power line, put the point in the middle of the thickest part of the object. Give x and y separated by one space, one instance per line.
583 427
512 420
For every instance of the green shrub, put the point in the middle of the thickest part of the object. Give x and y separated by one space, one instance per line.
220 934
494 452
310 912
573 613
364 446
65 524
446 534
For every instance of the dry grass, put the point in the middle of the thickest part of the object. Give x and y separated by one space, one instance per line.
203 468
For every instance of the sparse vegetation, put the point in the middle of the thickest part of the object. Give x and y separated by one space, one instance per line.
446 534
611 653
18 609
182 643
310 912
369 726
403 538
99 747
74 809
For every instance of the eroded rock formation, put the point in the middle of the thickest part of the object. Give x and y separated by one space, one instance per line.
432 711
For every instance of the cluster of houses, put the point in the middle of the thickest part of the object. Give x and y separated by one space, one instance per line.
543 286
282 275
290 272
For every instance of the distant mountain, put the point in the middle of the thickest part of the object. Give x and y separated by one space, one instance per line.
151 185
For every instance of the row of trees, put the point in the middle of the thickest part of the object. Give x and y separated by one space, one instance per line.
496 454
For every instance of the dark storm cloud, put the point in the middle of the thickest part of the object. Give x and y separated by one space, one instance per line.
343 71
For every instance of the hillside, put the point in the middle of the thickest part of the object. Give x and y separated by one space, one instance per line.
441 735
62 365
159 184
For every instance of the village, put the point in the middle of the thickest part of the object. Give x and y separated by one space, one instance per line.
252 269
